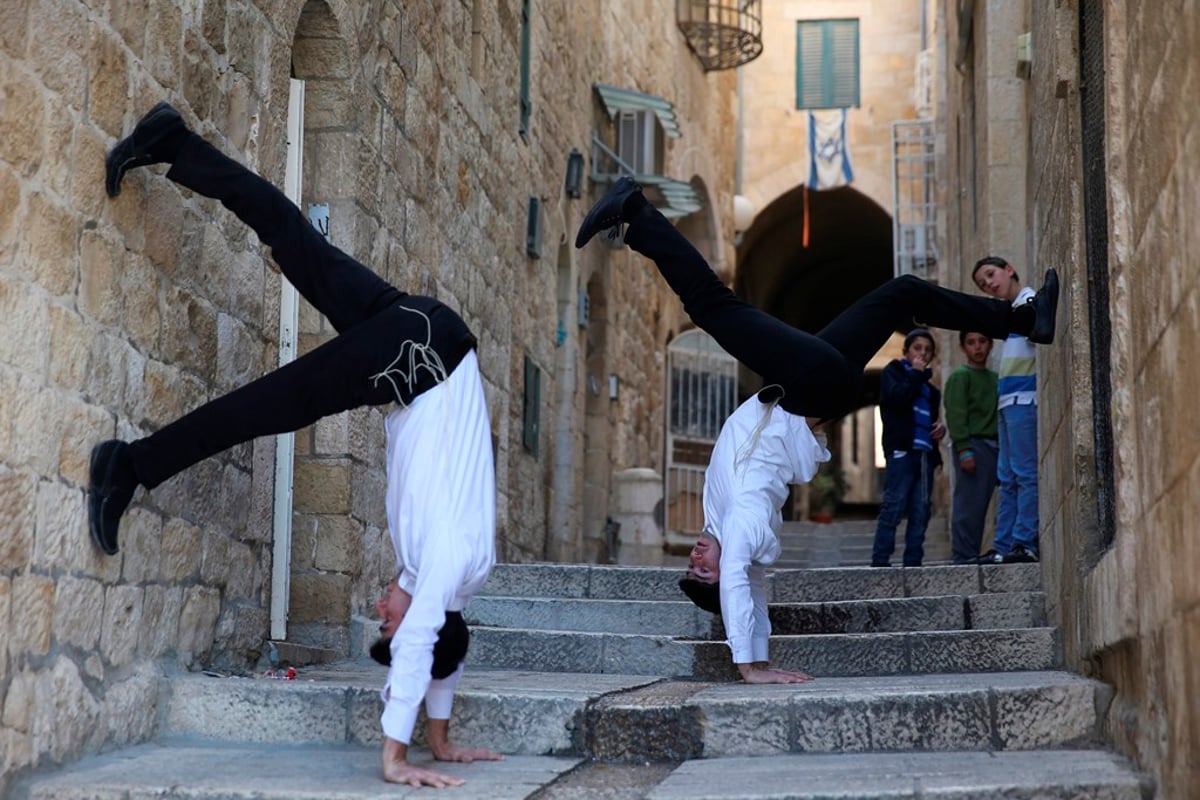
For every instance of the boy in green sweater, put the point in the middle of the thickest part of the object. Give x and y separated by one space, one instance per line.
970 400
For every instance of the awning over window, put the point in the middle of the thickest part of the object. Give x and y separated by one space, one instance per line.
671 197
616 99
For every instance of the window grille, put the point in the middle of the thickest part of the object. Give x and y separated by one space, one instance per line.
701 394
914 201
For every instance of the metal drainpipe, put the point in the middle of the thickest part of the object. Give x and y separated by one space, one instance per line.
737 162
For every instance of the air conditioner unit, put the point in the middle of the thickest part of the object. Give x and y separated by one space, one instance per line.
637 141
923 84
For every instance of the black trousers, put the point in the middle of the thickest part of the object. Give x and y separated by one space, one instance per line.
380 328
821 374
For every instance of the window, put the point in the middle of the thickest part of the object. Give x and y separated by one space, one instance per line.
827 63
526 103
639 141
531 416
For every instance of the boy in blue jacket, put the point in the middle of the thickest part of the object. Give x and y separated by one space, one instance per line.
908 405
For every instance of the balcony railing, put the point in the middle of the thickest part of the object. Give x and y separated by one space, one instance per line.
722 33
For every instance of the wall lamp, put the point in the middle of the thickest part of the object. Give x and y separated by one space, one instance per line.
574 182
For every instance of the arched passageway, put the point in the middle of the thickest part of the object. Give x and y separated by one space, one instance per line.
807 256
848 253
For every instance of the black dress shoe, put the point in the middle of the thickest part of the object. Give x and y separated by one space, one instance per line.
1045 310
111 484
154 139
1020 555
607 211
990 557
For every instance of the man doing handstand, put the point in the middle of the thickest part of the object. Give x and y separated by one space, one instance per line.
391 347
767 442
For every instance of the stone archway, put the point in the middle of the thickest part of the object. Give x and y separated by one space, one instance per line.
848 253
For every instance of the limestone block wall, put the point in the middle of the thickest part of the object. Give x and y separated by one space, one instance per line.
121 315
775 149
984 121
1130 609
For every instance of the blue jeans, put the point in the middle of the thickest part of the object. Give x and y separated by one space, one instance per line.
907 490
1017 517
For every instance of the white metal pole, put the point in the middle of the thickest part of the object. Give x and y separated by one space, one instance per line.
285 443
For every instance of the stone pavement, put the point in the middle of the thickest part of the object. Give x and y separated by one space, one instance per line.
598 682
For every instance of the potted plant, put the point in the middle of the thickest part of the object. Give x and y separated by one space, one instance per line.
825 492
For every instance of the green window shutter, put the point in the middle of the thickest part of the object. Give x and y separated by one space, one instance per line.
526 102
827 64
531 422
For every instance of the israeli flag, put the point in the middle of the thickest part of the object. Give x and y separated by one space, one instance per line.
829 162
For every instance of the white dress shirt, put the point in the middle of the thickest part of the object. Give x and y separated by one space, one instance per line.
760 450
441 507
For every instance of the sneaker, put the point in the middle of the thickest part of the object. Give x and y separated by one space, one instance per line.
1020 555
111 483
1045 310
607 213
144 145
990 557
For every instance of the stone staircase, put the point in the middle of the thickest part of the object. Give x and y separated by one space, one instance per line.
600 682
847 543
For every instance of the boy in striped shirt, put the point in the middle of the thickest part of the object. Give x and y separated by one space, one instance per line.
1016 538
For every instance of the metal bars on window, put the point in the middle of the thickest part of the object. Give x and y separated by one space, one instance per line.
701 394
914 206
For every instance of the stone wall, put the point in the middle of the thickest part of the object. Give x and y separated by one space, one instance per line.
1133 606
1128 609
120 315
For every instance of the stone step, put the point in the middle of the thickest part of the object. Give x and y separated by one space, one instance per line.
682 618
290 654
207 771
676 721
273 771
997 650
795 586
516 712
1038 775
631 718
800 542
